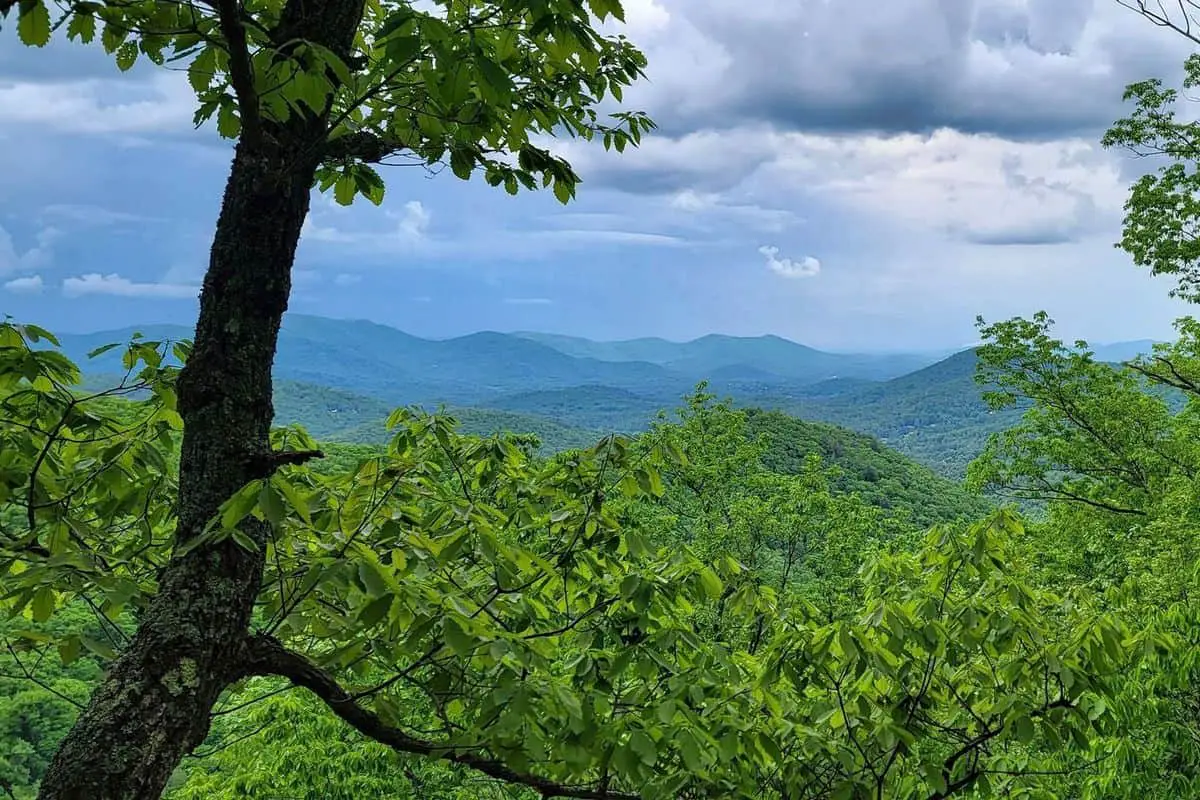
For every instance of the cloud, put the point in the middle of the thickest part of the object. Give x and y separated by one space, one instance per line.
410 230
714 206
528 301
31 284
806 267
34 258
93 215
973 187
114 284
1024 69
163 102
415 220
346 279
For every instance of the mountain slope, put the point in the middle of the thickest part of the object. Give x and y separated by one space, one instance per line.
337 415
936 415
879 474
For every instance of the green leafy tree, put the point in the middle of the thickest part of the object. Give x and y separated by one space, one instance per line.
1111 452
315 94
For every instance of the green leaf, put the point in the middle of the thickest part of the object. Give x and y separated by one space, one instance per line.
375 610
643 745
127 55
402 49
102 350
271 504
69 649
33 23
98 647
563 191
456 638
82 27
202 71
345 189
1024 729
236 508
229 124
44 601
372 578
711 583
689 749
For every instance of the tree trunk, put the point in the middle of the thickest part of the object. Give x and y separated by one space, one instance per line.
154 705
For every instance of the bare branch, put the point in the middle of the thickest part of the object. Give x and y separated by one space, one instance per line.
1163 19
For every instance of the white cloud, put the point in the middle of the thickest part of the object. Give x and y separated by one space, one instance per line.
978 188
30 285
92 215
34 258
164 102
346 279
974 187
415 220
806 267
528 301
114 284
410 230
714 206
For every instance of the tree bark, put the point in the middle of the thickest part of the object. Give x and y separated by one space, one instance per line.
154 705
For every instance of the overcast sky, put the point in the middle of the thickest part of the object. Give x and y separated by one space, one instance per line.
851 174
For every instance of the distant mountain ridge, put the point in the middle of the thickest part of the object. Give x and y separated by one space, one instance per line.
342 377
739 357
367 357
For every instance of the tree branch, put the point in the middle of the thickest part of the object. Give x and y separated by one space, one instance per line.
241 72
364 146
265 465
267 656
1163 19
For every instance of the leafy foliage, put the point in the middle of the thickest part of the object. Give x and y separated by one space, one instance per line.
659 617
1162 210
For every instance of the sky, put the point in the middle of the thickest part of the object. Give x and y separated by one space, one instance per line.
850 174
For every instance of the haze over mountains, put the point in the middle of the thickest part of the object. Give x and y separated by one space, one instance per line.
340 378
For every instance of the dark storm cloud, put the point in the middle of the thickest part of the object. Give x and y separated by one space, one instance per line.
1038 69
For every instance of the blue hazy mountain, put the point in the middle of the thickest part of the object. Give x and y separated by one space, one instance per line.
341 377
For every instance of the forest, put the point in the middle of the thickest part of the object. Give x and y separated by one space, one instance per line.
735 602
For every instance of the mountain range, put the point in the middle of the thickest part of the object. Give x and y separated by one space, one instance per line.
340 378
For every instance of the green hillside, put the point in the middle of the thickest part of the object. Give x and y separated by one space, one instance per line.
338 415
880 475
935 415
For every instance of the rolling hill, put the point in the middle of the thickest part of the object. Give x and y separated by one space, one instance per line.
342 377
879 474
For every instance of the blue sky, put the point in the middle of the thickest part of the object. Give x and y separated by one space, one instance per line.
850 174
